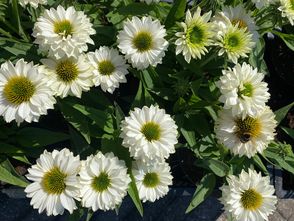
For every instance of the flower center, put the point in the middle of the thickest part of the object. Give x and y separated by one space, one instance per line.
53 181
106 67
18 90
292 4
101 182
247 128
251 199
247 90
151 131
143 41
151 180
63 28
196 35
241 23
67 71
232 41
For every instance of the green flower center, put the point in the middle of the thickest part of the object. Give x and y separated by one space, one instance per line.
196 35
18 90
246 91
247 128
151 180
143 41
151 131
292 4
106 67
101 182
251 199
63 28
232 41
241 23
67 71
53 181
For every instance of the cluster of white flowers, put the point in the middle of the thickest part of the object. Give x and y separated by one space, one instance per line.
59 178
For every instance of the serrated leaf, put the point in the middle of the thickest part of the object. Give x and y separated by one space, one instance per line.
219 168
203 190
288 131
133 192
258 162
282 112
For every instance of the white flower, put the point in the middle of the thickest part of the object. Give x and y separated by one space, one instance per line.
249 196
68 76
238 16
243 89
104 181
33 3
109 68
197 35
263 3
152 180
149 133
246 135
148 2
287 9
142 41
56 184
24 95
233 41
63 32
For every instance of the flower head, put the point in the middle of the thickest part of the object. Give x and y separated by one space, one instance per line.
104 181
63 32
142 41
33 3
248 196
287 9
55 183
149 133
196 36
24 94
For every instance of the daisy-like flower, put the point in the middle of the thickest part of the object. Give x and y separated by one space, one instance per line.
33 3
263 3
104 181
149 133
237 16
109 68
287 9
56 184
152 180
68 75
246 135
233 41
148 2
63 32
196 36
243 89
249 196
24 95
142 41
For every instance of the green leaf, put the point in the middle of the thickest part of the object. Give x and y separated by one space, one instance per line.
219 168
133 192
281 113
175 13
288 131
135 9
37 137
287 38
258 162
102 119
119 115
203 190
9 175
8 148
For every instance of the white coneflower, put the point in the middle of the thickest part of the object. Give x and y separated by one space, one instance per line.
238 16
68 76
142 41
104 181
56 184
24 95
196 36
287 9
149 133
243 89
33 3
63 32
152 180
249 196
246 135
109 68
